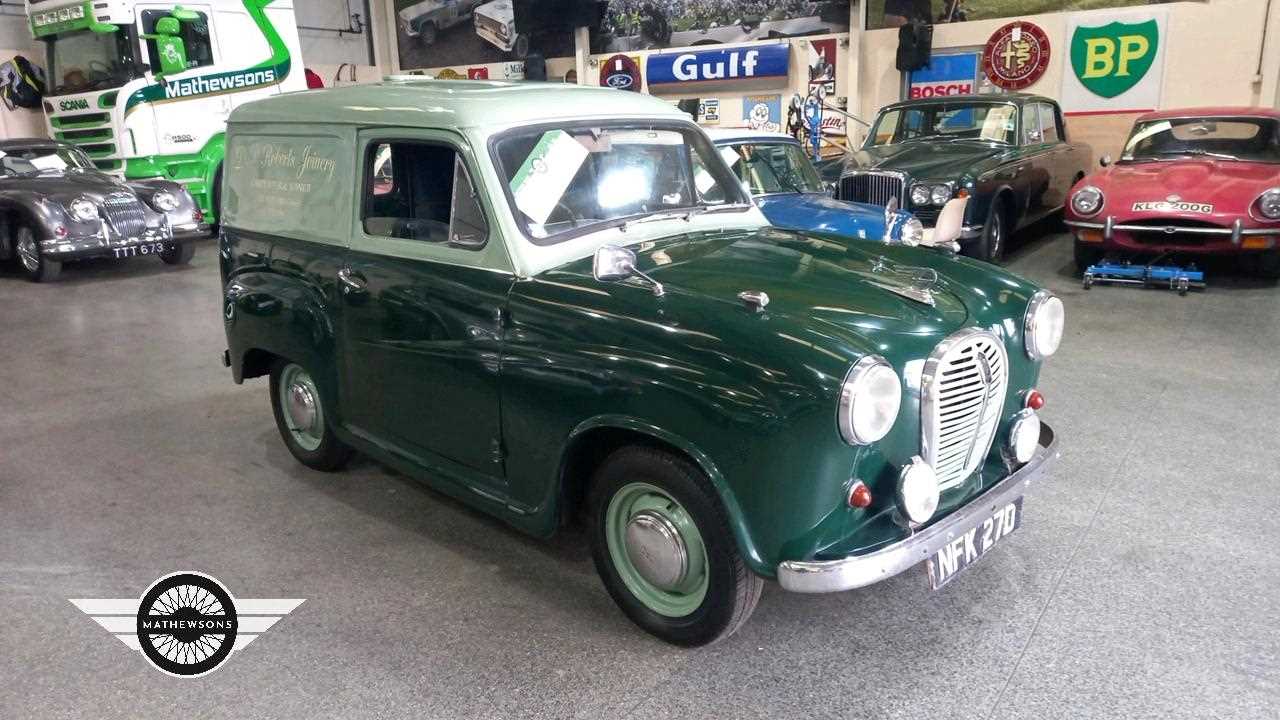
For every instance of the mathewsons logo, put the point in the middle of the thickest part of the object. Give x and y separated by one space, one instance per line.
187 623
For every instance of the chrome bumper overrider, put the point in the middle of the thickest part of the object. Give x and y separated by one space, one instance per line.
821 576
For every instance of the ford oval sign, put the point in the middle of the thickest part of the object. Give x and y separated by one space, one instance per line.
620 72
743 62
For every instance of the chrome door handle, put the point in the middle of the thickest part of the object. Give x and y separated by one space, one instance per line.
352 281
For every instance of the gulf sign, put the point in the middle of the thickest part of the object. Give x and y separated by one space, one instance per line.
744 62
955 74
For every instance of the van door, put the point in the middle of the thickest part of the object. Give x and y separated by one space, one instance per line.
423 296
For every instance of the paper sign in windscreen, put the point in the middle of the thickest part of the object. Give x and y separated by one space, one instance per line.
541 181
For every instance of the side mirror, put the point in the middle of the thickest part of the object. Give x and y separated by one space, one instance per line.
1105 160
613 263
950 224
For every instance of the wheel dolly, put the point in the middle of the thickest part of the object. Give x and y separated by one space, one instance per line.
1149 275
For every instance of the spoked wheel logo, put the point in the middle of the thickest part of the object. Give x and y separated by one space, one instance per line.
187 624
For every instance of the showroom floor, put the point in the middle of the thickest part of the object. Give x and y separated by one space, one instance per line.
1143 584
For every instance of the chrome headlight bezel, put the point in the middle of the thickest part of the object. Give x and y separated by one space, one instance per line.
912 233
1087 201
164 201
871 380
1043 325
920 194
1272 194
1024 436
82 209
940 194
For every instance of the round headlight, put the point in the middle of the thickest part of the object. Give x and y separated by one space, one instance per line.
920 194
918 491
164 201
1269 204
940 194
1024 436
83 209
1043 325
869 401
1087 201
912 232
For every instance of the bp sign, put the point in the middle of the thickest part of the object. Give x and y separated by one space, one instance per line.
1111 59
1114 61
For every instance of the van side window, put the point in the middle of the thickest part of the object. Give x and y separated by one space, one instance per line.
421 191
195 37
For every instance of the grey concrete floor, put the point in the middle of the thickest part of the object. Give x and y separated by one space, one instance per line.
1143 585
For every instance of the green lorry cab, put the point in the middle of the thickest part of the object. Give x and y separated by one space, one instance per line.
558 304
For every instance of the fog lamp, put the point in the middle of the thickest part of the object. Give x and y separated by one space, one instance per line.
918 491
1024 436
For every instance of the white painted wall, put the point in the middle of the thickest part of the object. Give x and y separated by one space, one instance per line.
328 48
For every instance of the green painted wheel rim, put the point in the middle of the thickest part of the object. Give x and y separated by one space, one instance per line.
298 393
640 497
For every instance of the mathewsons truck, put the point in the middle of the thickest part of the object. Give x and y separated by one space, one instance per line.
145 88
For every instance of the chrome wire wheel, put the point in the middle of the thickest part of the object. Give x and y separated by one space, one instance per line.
29 252
300 405
657 549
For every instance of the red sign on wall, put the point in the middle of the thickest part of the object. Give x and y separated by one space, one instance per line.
478 73
1016 55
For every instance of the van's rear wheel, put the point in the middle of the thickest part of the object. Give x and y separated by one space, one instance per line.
662 544
303 419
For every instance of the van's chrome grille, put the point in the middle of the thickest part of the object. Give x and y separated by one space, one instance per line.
873 187
962 400
125 214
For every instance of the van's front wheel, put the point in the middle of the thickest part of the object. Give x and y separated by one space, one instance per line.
303 419
662 544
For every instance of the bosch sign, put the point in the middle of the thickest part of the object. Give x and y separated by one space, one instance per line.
954 74
736 63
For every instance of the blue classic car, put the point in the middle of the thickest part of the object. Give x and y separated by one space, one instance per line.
790 192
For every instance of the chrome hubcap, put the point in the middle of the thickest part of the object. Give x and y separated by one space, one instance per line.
29 254
300 407
656 550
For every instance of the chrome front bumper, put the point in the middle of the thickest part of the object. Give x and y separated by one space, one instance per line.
822 576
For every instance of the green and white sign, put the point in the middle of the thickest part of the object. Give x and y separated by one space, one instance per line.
1115 61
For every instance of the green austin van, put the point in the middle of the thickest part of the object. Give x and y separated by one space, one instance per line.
559 305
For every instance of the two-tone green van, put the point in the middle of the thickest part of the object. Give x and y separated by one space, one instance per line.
559 305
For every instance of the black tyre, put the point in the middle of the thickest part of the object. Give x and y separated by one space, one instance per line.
1268 265
302 419
990 245
178 254
662 545
1086 255
32 259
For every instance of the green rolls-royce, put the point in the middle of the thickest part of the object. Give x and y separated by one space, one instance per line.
559 305
1008 154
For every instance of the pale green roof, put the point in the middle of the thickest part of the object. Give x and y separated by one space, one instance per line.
450 103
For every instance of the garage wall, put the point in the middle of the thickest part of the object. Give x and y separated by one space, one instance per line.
1212 57
15 39
327 47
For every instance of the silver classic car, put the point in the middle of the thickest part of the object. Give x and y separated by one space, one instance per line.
55 206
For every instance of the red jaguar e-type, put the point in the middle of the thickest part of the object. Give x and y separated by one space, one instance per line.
1189 182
